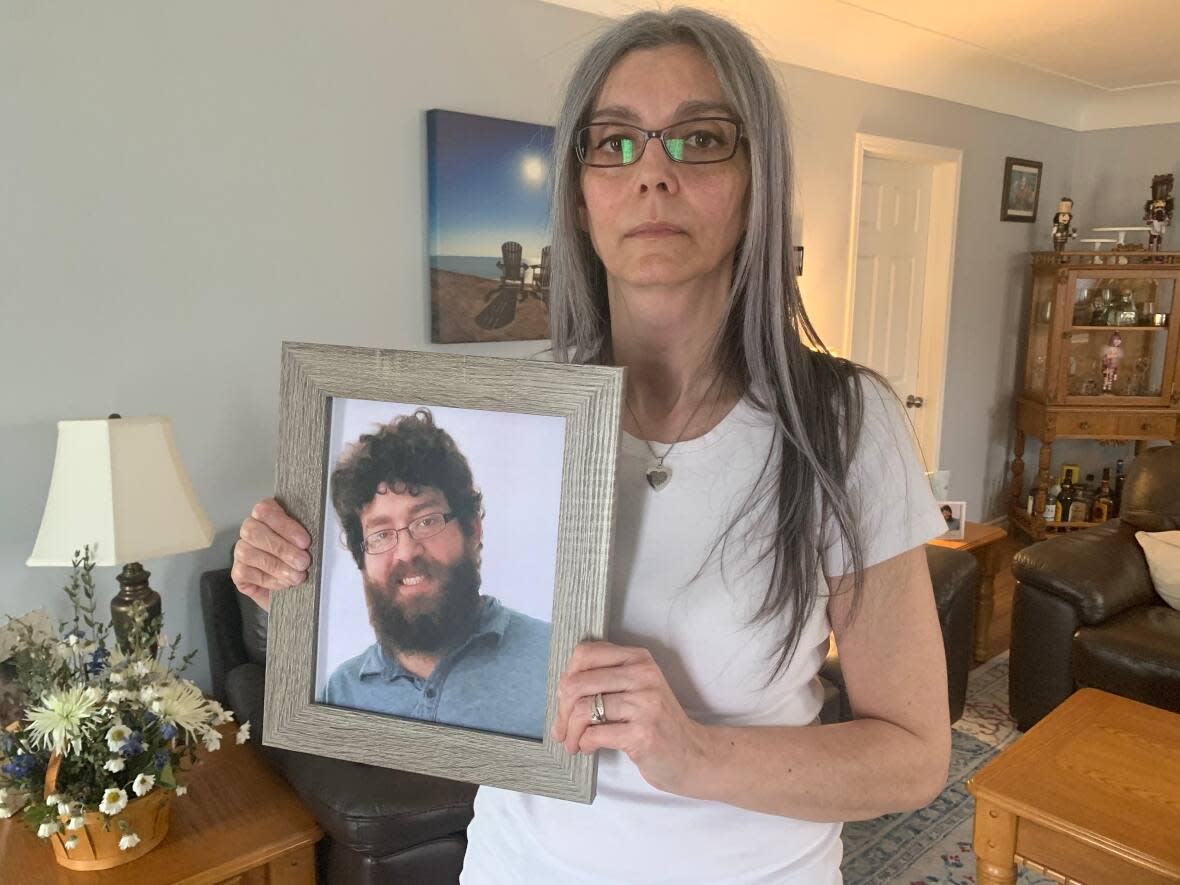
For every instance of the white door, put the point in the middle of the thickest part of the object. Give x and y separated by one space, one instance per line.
889 286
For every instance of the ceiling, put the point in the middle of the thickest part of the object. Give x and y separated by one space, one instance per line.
1082 65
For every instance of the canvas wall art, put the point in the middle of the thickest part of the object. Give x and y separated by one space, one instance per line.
488 193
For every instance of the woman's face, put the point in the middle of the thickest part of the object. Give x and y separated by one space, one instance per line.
694 214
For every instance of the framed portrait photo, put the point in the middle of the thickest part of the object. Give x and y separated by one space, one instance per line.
1022 190
955 514
462 512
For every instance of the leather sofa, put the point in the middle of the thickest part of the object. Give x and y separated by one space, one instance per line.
386 827
1085 612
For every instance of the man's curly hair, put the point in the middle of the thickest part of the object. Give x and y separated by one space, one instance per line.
408 453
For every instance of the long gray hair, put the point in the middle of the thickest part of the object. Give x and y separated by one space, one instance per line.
765 345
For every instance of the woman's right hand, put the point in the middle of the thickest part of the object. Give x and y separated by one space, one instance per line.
271 553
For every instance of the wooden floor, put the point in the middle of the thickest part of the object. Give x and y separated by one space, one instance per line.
1001 627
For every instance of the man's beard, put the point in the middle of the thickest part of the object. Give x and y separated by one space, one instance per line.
444 626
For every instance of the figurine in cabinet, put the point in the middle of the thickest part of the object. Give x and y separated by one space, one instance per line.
1157 212
1061 224
1112 355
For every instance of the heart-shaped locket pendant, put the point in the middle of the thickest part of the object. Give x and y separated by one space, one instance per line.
659 476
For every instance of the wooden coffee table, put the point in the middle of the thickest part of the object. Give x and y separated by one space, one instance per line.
1091 794
240 824
980 540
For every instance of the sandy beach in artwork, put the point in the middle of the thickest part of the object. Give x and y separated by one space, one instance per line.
456 299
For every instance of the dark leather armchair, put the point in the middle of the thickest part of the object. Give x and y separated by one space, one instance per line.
1086 613
388 827
955 576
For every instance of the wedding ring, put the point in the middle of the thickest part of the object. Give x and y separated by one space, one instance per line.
597 710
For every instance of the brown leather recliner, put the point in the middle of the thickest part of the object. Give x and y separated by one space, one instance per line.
1086 614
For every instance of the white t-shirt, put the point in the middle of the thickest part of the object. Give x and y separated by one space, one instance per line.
715 661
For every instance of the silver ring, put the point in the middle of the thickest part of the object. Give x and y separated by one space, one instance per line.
597 710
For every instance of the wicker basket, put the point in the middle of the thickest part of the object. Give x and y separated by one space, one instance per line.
98 840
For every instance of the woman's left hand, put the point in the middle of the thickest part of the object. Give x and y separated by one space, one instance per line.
643 717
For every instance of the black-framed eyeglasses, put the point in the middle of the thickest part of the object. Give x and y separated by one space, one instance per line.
701 140
420 529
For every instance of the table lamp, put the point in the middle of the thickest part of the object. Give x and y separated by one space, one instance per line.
119 485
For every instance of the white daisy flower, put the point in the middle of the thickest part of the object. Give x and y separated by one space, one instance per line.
63 719
116 678
47 829
143 784
117 736
212 739
181 789
71 843
76 823
243 733
53 799
63 808
72 640
143 668
157 707
128 841
222 715
148 693
115 695
115 763
113 801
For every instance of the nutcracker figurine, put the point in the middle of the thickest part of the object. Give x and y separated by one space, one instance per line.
1061 229
1157 212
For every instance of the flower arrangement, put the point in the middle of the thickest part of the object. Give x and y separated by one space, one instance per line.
103 722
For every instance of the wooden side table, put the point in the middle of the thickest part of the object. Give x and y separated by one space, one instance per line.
980 540
1088 795
240 824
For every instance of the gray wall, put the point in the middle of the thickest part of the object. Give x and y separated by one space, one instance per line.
185 187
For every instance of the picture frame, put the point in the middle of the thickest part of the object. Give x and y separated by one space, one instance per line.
321 382
488 227
1021 194
956 521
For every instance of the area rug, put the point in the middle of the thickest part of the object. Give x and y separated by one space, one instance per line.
933 845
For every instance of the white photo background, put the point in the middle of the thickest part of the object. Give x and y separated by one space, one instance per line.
516 462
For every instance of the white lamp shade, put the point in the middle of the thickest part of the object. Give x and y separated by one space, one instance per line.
119 485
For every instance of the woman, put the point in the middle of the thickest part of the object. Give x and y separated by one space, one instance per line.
769 494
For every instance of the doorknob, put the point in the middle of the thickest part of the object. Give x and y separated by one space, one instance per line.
913 402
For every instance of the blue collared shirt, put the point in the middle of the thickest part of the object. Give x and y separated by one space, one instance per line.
495 681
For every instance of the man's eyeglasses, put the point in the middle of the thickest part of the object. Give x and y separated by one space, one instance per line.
703 140
420 529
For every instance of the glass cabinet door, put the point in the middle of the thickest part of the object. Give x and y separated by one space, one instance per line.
1036 367
1117 339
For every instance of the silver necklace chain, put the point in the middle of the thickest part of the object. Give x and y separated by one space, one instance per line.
659 475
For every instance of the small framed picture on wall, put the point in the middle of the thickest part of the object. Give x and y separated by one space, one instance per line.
1022 190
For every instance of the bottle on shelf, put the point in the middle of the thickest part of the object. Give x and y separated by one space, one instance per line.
1079 508
1119 479
1050 511
1051 497
1104 500
1064 502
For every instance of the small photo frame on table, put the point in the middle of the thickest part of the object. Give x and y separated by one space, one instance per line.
955 514
462 512
1022 190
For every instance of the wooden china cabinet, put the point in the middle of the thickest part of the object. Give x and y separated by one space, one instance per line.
1101 362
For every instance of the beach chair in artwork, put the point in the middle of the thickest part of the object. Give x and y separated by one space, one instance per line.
502 300
539 287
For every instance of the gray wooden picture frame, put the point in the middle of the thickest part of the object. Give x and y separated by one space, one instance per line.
589 398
